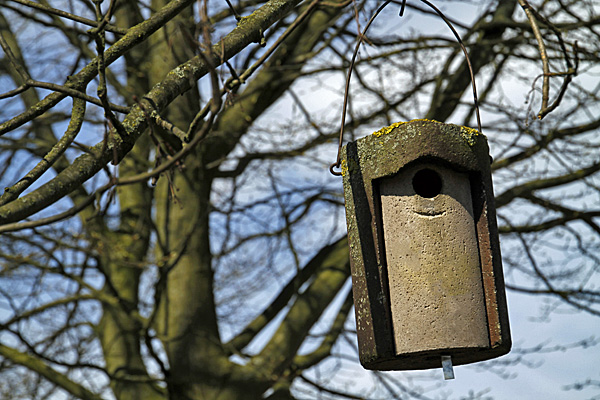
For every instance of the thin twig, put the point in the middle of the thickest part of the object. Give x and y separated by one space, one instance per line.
104 21
542 48
70 92
569 74
160 121
239 80
14 92
533 16
114 182
214 109
87 73
72 17
102 87
13 59
77 116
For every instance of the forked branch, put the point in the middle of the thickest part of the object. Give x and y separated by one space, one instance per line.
533 16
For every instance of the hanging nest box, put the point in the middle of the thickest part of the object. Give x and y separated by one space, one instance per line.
426 267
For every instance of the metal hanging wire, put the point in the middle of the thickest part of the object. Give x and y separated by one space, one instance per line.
353 60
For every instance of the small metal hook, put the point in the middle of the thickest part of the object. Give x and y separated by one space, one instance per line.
332 166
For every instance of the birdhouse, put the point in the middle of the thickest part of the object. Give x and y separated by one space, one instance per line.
425 256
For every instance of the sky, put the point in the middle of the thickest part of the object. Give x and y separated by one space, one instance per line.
551 373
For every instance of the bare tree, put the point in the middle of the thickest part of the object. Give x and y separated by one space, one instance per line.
169 227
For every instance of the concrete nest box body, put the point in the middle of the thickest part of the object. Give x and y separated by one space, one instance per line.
426 267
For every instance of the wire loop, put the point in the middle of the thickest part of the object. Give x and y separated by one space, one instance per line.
331 167
353 60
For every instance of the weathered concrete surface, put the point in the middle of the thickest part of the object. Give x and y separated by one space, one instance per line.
380 156
434 274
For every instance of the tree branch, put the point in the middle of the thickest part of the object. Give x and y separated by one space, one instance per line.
72 17
79 81
527 188
77 115
256 326
324 350
281 349
176 82
47 372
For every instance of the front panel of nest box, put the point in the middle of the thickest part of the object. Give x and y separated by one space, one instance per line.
433 265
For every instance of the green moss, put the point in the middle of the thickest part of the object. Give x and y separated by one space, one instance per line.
351 165
470 134
388 129
344 167
247 19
